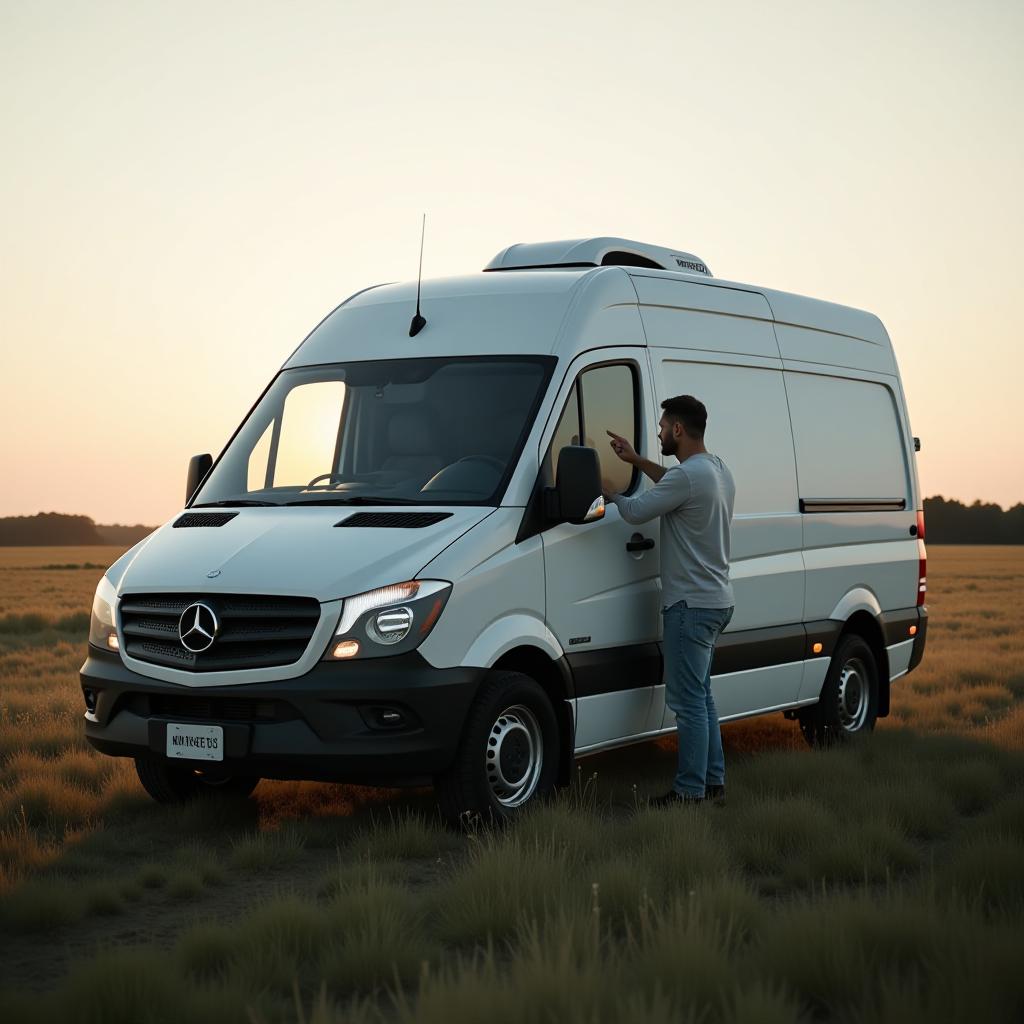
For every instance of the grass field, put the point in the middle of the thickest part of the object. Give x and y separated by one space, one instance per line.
880 882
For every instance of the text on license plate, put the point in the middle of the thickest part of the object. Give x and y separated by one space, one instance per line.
196 742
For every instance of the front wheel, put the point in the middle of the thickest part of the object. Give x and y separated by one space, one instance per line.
508 755
171 783
848 706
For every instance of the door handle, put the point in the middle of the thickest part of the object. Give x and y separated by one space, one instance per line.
638 542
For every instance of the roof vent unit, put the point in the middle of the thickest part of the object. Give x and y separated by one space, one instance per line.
596 252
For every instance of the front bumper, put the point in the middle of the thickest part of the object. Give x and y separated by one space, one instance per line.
335 723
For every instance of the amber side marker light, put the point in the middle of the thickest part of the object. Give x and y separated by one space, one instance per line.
817 648
346 649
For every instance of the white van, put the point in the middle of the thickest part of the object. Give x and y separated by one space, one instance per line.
399 570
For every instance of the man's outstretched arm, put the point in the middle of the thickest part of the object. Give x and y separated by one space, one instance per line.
663 497
668 494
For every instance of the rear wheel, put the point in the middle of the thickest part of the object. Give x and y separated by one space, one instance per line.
508 754
170 783
848 706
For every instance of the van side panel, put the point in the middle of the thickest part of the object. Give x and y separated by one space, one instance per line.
825 316
719 345
748 427
712 319
810 346
850 447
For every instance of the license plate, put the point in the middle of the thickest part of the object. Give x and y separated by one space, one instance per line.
195 742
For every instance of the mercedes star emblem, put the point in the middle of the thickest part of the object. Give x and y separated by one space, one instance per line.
197 627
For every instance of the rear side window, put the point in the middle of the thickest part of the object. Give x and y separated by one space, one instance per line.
847 437
602 399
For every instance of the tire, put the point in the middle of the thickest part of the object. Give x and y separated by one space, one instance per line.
848 706
170 783
508 755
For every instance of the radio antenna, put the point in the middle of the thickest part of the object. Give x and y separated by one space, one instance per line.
418 321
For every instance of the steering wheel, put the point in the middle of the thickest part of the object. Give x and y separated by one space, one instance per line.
341 478
331 478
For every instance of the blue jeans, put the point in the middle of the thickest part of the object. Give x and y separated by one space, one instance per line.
689 644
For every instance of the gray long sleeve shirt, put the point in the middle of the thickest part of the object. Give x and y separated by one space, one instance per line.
695 502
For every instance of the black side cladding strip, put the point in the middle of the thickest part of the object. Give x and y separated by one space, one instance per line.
615 668
640 665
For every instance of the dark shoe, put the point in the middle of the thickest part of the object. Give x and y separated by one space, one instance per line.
715 793
674 799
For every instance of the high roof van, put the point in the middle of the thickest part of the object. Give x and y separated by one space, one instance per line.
400 569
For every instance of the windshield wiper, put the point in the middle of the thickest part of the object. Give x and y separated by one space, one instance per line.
358 499
234 503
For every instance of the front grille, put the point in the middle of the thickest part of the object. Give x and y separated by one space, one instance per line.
190 520
254 631
402 520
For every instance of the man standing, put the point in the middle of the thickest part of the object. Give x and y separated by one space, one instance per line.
695 502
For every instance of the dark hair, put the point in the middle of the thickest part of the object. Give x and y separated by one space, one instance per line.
688 411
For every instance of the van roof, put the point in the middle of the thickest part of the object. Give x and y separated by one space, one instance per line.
521 311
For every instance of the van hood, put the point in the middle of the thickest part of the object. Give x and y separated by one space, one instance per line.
296 551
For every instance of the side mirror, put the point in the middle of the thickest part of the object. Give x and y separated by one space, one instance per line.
198 467
576 496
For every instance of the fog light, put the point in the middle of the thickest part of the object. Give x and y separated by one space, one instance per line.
112 642
913 630
390 626
817 648
346 649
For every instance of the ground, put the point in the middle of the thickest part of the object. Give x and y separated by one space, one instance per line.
882 881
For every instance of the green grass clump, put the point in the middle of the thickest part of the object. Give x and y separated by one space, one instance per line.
403 836
42 905
379 938
261 851
502 881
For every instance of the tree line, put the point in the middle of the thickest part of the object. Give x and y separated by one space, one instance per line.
947 521
48 529
952 522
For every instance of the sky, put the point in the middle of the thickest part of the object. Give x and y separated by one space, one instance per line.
188 188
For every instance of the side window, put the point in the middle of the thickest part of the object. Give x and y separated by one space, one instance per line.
567 432
608 395
605 399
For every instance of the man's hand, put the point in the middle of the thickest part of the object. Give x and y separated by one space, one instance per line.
622 448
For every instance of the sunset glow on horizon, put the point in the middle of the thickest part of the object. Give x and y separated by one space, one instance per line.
190 189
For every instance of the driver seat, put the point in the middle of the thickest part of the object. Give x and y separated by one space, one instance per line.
413 447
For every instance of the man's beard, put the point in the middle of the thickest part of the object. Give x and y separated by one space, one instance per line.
668 448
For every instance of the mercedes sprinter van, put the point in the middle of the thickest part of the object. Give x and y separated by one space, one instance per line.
400 570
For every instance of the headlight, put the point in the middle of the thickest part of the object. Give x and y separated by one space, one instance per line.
102 627
390 620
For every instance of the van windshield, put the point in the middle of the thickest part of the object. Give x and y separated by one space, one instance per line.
440 431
